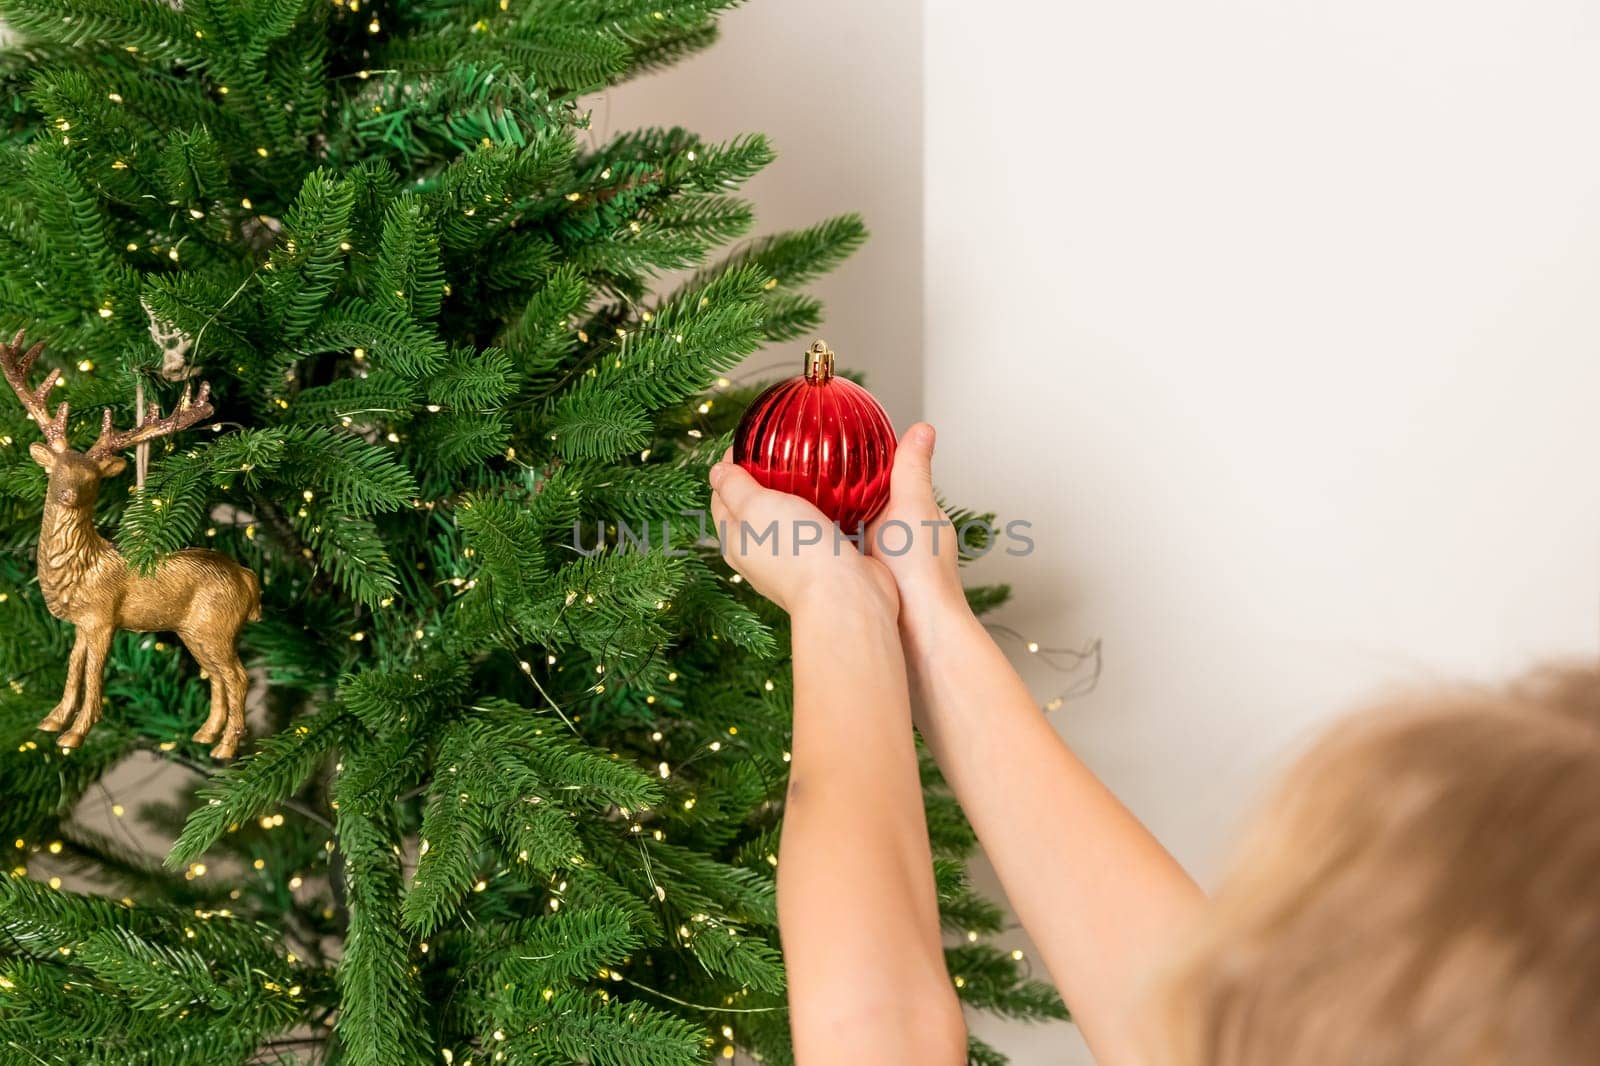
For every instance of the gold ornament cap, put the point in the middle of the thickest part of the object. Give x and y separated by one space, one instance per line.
819 363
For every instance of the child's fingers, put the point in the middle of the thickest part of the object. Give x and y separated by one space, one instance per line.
735 485
726 531
720 517
913 462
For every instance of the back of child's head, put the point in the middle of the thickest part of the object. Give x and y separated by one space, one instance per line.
1424 889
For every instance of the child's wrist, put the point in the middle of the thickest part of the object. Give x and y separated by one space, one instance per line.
929 611
845 595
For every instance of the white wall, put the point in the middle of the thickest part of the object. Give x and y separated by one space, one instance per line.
1281 321
837 86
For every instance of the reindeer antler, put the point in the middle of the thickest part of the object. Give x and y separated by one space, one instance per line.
187 413
16 363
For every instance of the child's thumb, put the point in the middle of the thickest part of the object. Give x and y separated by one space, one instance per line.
913 461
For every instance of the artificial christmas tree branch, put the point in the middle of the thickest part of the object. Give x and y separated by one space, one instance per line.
503 797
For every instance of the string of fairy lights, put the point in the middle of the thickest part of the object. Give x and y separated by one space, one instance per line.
1082 663
1066 660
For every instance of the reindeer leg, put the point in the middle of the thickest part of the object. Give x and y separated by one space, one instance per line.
68 706
218 659
98 643
238 685
212 727
216 670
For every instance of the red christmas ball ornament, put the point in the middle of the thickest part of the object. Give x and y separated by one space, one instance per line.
822 438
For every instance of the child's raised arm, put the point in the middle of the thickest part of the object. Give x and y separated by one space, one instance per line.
856 899
1098 894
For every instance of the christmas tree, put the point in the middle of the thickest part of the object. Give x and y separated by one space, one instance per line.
516 780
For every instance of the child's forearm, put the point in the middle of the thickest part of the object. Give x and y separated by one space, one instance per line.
1099 895
856 897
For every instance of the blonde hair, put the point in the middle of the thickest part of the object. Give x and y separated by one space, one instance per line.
1424 890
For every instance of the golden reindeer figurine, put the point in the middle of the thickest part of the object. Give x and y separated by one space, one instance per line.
203 596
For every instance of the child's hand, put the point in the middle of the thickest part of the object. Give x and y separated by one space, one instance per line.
787 550
912 536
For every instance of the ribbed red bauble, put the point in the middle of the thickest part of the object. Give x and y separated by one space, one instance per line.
822 438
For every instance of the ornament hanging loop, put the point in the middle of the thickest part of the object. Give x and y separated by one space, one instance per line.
141 451
819 363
